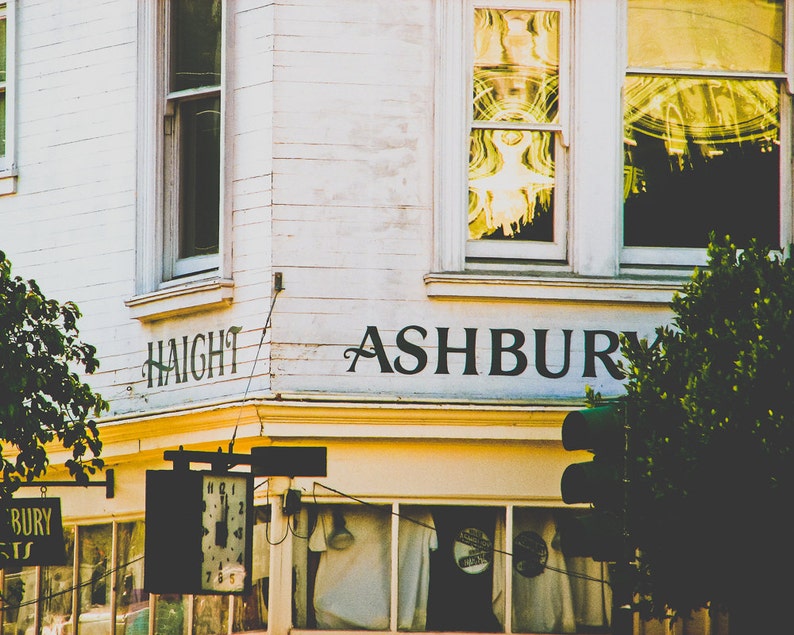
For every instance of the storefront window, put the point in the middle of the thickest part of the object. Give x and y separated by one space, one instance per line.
57 590
132 602
250 610
451 571
94 564
19 600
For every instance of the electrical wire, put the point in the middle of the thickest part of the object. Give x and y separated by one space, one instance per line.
6 605
382 508
253 367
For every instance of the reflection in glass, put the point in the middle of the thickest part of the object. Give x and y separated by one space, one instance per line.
170 615
196 37
58 589
250 610
511 167
94 552
210 614
18 600
700 154
200 147
132 602
728 35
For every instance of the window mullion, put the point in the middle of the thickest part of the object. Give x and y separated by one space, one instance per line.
394 596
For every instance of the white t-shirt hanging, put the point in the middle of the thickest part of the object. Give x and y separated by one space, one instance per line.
351 589
542 603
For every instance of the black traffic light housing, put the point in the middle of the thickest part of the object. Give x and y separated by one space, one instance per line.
599 532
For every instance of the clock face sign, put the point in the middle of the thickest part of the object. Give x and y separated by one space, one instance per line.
225 500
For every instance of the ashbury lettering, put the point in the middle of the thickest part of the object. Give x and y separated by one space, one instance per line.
191 359
506 347
26 522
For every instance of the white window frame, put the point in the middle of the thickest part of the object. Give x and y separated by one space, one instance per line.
174 266
597 266
454 121
163 286
679 256
8 167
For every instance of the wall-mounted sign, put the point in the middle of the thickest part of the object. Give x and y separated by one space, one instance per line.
31 532
473 550
191 358
493 352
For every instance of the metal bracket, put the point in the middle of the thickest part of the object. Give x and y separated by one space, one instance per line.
109 483
264 461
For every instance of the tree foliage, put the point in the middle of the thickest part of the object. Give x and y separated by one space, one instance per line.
42 398
711 405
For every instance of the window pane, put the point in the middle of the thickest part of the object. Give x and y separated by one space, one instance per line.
3 44
511 185
466 580
250 610
200 173
210 614
2 123
170 613
132 602
18 600
417 540
196 43
95 544
700 154
351 554
58 589
516 65
551 593
734 35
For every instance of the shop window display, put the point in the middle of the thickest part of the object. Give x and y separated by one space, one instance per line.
450 571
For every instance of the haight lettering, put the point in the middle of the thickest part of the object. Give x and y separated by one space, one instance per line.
506 347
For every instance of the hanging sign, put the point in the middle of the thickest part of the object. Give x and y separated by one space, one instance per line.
530 554
31 532
473 550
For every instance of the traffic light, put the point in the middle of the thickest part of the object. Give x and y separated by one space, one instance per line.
597 533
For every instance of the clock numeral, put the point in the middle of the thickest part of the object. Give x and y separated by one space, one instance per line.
209 575
240 559
222 487
238 533
242 508
210 487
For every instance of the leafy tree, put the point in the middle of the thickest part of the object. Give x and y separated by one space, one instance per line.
711 411
42 397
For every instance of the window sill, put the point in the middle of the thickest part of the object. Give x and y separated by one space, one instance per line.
185 299
551 288
8 182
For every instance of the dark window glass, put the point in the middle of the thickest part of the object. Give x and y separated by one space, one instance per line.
196 44
200 188
701 154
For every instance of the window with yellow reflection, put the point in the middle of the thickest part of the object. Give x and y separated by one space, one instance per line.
516 130
702 123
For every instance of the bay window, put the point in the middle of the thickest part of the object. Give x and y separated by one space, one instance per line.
590 148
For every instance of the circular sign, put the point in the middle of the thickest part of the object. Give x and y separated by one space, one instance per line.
473 550
530 554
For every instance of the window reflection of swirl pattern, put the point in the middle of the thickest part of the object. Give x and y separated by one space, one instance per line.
515 117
